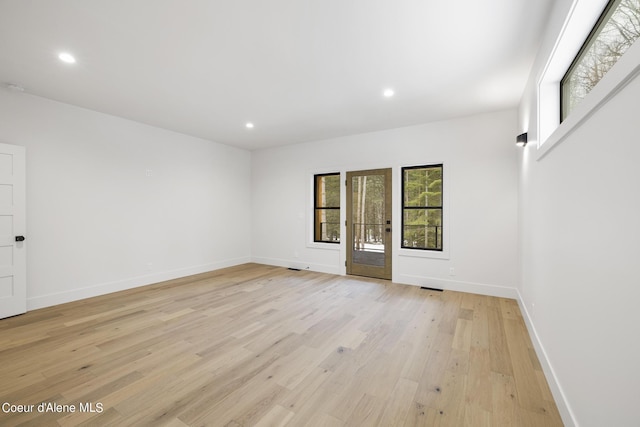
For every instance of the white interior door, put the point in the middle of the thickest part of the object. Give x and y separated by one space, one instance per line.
13 251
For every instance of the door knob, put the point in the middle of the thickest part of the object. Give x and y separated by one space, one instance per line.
19 238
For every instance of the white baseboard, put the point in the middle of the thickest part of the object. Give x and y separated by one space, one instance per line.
567 415
320 268
458 285
404 279
49 300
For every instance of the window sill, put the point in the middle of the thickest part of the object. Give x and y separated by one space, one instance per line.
326 246
423 253
621 74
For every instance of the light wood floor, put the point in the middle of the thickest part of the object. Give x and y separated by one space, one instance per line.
266 346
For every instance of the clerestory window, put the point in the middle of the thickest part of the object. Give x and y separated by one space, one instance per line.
615 31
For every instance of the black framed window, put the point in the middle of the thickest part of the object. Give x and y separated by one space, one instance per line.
615 31
326 208
422 207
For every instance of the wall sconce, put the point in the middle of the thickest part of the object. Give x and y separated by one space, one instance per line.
521 140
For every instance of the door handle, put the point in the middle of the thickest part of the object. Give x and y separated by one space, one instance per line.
19 238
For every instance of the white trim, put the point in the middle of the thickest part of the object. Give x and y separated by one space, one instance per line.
403 279
567 415
300 265
398 250
621 74
310 216
310 224
326 246
423 253
580 21
49 300
459 286
581 18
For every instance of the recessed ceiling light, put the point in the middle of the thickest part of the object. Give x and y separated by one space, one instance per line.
249 125
388 93
67 57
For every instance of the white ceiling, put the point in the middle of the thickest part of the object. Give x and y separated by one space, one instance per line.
301 70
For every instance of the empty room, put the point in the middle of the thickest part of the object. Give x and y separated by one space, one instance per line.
319 213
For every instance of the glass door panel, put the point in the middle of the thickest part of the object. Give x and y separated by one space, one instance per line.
369 223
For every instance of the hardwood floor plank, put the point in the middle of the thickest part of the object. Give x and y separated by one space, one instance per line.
276 417
262 345
296 398
367 411
399 403
498 348
462 335
323 420
475 415
504 400
479 380
430 382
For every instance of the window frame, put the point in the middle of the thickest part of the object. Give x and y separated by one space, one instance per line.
602 20
317 231
548 132
441 208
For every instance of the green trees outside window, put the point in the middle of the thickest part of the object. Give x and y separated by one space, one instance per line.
422 207
616 30
327 208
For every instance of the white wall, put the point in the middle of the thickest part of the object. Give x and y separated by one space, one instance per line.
480 161
95 220
580 231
